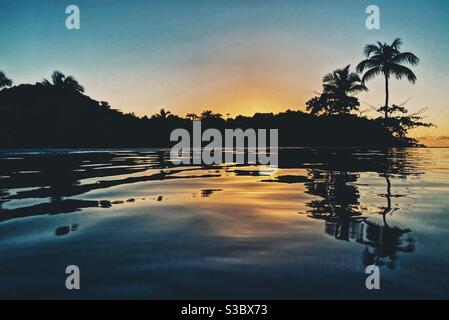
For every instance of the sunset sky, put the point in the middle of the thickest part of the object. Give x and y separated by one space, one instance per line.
237 57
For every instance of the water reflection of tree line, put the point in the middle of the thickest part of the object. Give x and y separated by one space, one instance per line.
340 208
52 180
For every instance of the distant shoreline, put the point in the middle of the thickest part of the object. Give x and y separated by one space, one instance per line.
48 117
125 149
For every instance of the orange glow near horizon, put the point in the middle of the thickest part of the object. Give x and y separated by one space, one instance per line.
245 101
243 74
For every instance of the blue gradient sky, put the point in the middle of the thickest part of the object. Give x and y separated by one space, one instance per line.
232 56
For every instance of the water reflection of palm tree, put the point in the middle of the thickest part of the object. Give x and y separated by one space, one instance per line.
340 208
382 243
388 209
338 204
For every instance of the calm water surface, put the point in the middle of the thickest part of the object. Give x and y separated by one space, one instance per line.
139 227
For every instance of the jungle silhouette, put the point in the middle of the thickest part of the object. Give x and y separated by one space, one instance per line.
57 114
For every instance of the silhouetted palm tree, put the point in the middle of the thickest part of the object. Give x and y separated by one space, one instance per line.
4 81
60 80
338 90
384 59
341 84
163 114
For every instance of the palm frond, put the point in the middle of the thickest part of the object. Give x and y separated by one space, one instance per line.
45 82
354 77
330 87
58 78
369 49
366 64
396 44
357 88
405 57
4 81
70 82
371 73
400 71
328 77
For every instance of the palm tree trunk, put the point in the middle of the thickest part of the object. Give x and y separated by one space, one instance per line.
387 96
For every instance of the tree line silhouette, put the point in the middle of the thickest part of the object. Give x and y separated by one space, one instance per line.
55 113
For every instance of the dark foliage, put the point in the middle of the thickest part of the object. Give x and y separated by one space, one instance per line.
38 116
4 80
339 88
